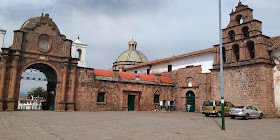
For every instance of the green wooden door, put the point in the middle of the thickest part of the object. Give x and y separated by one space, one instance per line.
131 100
190 100
51 95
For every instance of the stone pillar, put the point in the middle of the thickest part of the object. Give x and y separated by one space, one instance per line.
2 82
71 102
63 88
158 78
115 75
11 94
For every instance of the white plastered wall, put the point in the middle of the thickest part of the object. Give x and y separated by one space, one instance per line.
276 80
204 60
74 53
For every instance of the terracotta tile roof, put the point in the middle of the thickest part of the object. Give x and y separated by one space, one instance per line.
127 75
101 72
165 79
143 77
275 42
168 59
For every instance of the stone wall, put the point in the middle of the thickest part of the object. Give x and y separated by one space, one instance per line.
116 93
201 86
247 85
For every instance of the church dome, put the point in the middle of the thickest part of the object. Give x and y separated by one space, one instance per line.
132 55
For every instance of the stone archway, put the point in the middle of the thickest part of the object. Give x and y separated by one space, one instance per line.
52 80
36 45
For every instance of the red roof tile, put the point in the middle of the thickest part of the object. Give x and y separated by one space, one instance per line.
168 59
101 72
127 75
165 79
144 77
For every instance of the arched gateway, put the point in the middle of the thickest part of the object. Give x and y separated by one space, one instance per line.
39 45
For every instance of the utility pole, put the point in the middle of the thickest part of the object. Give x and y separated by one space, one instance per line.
221 66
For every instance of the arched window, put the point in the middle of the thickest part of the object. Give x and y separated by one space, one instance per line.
251 49
224 54
239 19
245 31
235 49
79 53
231 35
189 82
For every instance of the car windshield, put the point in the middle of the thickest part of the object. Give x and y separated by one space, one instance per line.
208 103
239 107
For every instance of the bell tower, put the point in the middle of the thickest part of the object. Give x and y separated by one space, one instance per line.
243 41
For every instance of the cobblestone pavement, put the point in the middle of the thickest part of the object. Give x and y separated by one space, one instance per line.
131 125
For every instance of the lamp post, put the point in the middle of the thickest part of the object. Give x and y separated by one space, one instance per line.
2 34
221 65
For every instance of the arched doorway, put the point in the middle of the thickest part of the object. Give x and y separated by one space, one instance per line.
51 77
190 100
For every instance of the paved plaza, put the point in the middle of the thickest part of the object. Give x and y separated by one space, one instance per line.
120 125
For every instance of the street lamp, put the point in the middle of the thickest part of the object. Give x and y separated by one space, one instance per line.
221 66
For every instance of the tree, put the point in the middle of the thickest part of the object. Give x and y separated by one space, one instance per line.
38 91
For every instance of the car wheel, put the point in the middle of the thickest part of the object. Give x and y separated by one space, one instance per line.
232 117
247 116
207 115
219 114
261 116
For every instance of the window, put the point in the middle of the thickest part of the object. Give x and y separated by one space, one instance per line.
135 71
245 31
239 19
224 54
79 53
208 103
156 99
235 49
148 71
169 68
218 103
230 104
231 35
100 97
190 83
251 48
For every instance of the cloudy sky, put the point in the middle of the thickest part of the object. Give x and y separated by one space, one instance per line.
162 28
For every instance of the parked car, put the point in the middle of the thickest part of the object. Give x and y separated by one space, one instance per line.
246 112
213 107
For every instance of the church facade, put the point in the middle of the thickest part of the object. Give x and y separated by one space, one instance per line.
251 71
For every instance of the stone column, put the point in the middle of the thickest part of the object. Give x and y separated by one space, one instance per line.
71 103
11 94
2 82
63 88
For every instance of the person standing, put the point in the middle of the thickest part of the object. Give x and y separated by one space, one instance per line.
189 107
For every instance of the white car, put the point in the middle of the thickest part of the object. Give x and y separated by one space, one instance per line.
246 112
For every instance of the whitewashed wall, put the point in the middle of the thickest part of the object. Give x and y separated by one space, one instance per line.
276 80
74 53
204 60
